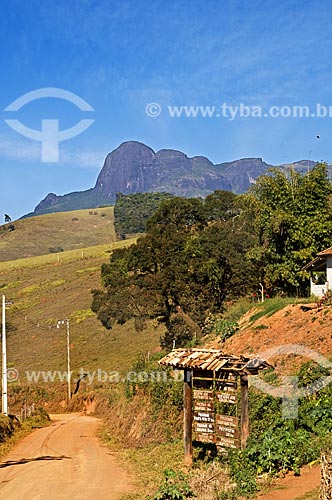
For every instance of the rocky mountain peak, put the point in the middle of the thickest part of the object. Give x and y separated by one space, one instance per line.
134 167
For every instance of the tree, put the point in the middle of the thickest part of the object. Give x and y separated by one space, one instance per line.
131 212
198 254
221 205
182 270
293 222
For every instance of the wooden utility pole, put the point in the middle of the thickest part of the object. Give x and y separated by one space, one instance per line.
187 427
68 360
244 411
62 322
4 360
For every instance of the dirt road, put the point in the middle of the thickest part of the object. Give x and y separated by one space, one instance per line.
64 461
294 487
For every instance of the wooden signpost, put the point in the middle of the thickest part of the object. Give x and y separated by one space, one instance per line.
213 393
215 397
187 419
244 411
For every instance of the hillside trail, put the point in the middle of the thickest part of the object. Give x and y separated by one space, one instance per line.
294 487
64 461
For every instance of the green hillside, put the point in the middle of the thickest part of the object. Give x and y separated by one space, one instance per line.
48 233
45 293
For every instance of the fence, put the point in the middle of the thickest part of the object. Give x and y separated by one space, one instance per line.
68 256
25 412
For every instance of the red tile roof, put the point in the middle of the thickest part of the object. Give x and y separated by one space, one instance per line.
328 251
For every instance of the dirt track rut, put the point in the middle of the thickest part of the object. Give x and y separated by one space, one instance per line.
64 461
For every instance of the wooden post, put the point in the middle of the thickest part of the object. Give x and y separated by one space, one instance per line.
187 427
325 492
244 411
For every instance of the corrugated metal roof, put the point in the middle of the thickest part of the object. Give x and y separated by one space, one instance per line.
213 359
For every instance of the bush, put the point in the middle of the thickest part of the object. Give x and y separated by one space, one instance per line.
174 487
55 249
226 329
242 470
220 326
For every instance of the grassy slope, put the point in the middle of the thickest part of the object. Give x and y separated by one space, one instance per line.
69 256
44 294
34 236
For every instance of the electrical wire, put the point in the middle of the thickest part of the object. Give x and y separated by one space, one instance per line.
32 323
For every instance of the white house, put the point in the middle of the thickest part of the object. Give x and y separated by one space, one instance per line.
320 270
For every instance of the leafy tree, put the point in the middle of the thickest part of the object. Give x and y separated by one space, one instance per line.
131 212
293 222
221 205
182 270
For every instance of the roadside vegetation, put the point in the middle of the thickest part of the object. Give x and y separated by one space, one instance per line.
11 430
235 310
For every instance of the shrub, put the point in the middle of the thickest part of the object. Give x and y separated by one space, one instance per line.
55 249
174 487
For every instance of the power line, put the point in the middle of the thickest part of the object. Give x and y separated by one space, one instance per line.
31 322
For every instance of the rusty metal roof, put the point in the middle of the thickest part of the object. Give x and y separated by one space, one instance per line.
213 359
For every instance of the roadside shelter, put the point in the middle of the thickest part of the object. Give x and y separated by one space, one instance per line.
215 396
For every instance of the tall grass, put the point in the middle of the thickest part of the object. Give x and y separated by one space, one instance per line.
271 306
266 308
238 309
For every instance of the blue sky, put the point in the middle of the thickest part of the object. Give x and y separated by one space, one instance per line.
119 56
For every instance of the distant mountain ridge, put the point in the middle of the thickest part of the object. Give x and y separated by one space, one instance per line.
134 167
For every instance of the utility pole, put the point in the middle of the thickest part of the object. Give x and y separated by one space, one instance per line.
4 360
62 322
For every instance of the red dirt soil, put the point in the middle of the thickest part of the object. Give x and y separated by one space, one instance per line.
291 487
290 325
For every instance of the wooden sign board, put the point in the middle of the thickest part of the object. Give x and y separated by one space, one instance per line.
227 426
228 432
204 427
201 405
227 420
204 416
203 437
227 442
226 397
209 427
227 386
207 395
